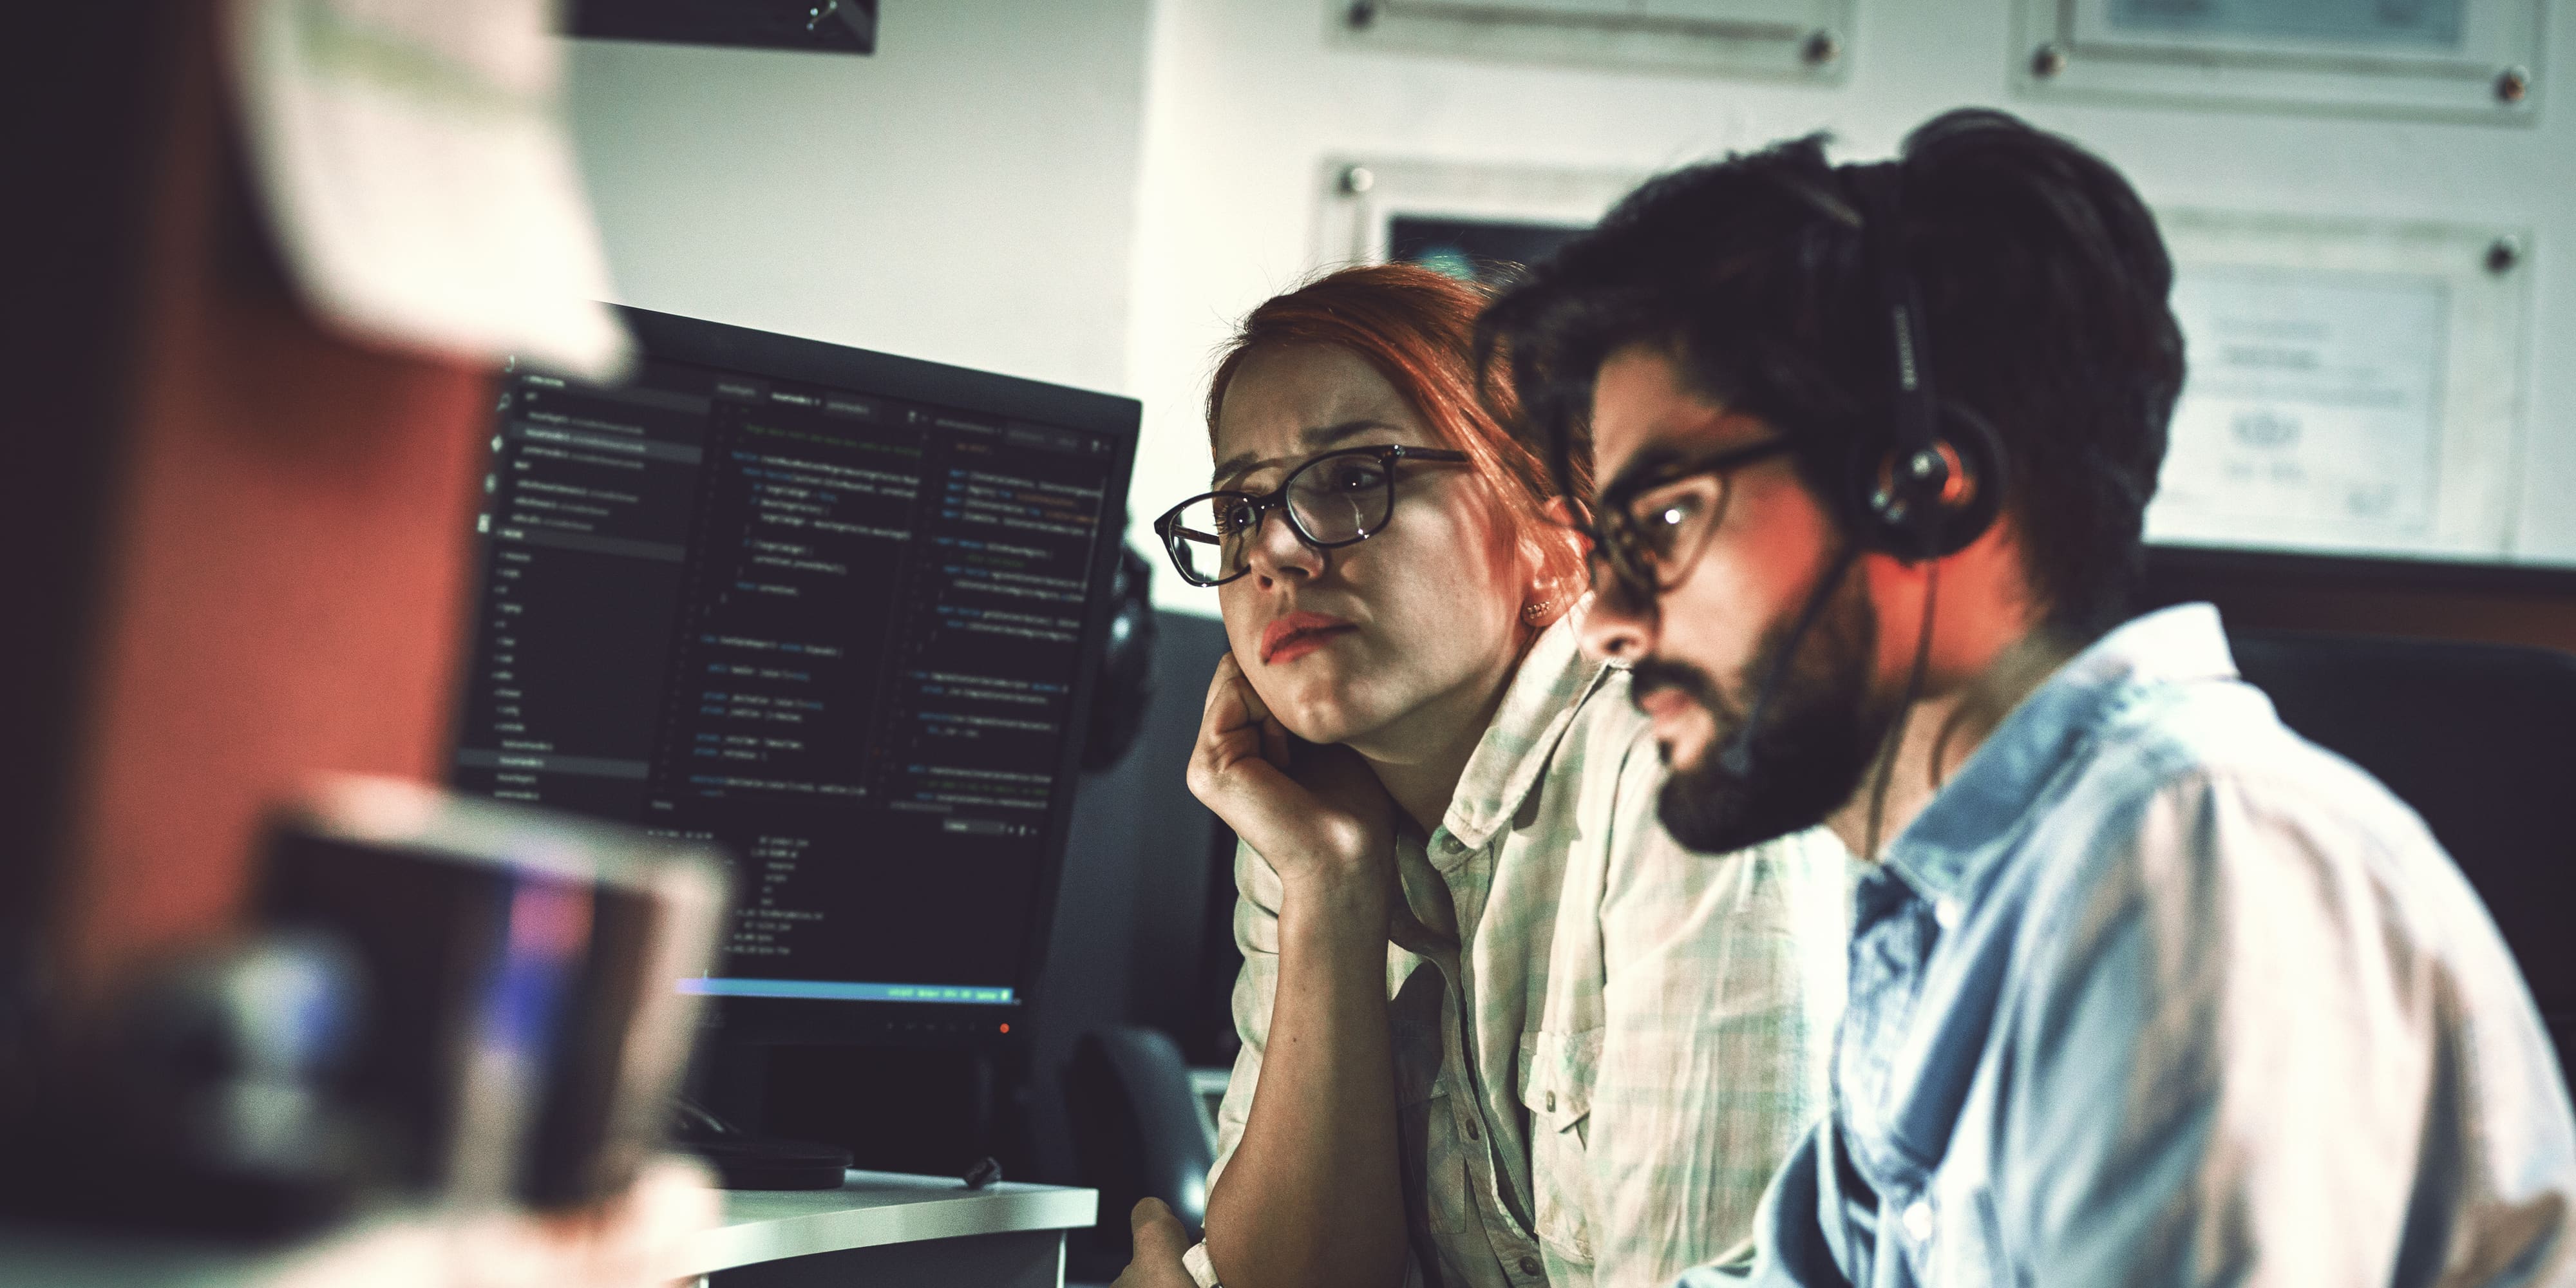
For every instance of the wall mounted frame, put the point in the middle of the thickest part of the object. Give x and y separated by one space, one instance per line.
2355 386
1803 40
1363 200
820 26
2459 60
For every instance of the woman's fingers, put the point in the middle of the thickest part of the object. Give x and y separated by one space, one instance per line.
1244 768
1230 734
1160 1243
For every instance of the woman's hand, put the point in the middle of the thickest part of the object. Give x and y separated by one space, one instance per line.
1160 1243
1316 814
1312 1194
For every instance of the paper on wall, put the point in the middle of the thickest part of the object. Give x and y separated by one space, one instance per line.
2313 413
418 177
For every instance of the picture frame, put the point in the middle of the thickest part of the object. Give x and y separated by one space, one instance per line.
2454 60
1801 40
2355 387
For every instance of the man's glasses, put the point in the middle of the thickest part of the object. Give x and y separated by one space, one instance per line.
1337 499
1648 531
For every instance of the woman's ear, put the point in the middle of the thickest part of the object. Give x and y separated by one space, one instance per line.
1554 581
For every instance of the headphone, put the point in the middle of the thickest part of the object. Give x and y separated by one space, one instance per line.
1925 489
1933 483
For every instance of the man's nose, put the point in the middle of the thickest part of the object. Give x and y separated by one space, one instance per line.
1278 554
1621 624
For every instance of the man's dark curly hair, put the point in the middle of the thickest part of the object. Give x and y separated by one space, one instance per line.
2044 287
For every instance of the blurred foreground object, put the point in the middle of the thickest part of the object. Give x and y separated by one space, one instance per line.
419 179
236 482
519 969
240 462
652 1233
452 1006
201 1108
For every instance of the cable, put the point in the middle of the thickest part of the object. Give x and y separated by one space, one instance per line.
1905 711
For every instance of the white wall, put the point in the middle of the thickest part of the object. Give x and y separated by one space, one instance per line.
1090 192
1249 97
967 194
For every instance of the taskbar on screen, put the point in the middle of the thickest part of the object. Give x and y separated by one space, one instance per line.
841 991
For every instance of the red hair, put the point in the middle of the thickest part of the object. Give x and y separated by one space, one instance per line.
1417 328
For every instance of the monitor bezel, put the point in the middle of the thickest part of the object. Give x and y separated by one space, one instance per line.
672 338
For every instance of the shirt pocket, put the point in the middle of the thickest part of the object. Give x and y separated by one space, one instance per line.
1556 1088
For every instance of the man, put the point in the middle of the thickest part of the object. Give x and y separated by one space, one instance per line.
2144 988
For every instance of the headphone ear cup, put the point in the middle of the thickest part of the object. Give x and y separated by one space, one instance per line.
1916 515
1980 453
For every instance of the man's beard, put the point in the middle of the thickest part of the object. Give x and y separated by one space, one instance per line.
1818 735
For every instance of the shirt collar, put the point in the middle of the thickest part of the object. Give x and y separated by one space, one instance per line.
1539 706
1945 851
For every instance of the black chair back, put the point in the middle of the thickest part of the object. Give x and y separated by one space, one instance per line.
2476 737
1136 1133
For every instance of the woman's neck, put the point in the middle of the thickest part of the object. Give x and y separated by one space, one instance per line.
1420 757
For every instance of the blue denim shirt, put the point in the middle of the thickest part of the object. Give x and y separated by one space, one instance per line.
2156 992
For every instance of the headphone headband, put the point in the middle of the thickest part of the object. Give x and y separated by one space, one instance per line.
1925 490
1881 190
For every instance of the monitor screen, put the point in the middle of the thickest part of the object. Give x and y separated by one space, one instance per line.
831 609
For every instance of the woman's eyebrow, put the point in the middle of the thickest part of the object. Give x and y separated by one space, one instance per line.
1322 436
1317 437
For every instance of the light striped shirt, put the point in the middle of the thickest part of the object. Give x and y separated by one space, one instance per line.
1604 1045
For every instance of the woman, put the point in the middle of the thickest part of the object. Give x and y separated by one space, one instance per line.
1455 910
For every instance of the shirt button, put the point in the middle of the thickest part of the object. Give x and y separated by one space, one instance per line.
1530 1266
1946 911
1918 1220
1551 1102
1472 1133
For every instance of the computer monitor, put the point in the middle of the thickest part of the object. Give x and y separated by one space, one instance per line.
834 610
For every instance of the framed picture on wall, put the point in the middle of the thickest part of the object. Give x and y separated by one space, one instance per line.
2354 386
823 26
1470 220
2471 60
1804 40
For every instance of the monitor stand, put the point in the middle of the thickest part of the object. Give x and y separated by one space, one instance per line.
733 1077
743 1161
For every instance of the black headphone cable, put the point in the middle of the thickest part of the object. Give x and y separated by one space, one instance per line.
1886 769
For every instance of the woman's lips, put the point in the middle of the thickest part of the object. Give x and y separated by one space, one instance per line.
1298 634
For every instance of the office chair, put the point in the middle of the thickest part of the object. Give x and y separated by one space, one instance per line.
2475 737
1136 1132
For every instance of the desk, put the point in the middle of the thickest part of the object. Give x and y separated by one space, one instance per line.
880 1230
888 1230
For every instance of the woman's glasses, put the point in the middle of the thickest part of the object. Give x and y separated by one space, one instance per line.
1649 531
1337 499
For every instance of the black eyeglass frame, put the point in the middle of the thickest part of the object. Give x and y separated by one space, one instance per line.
1168 527
1617 542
